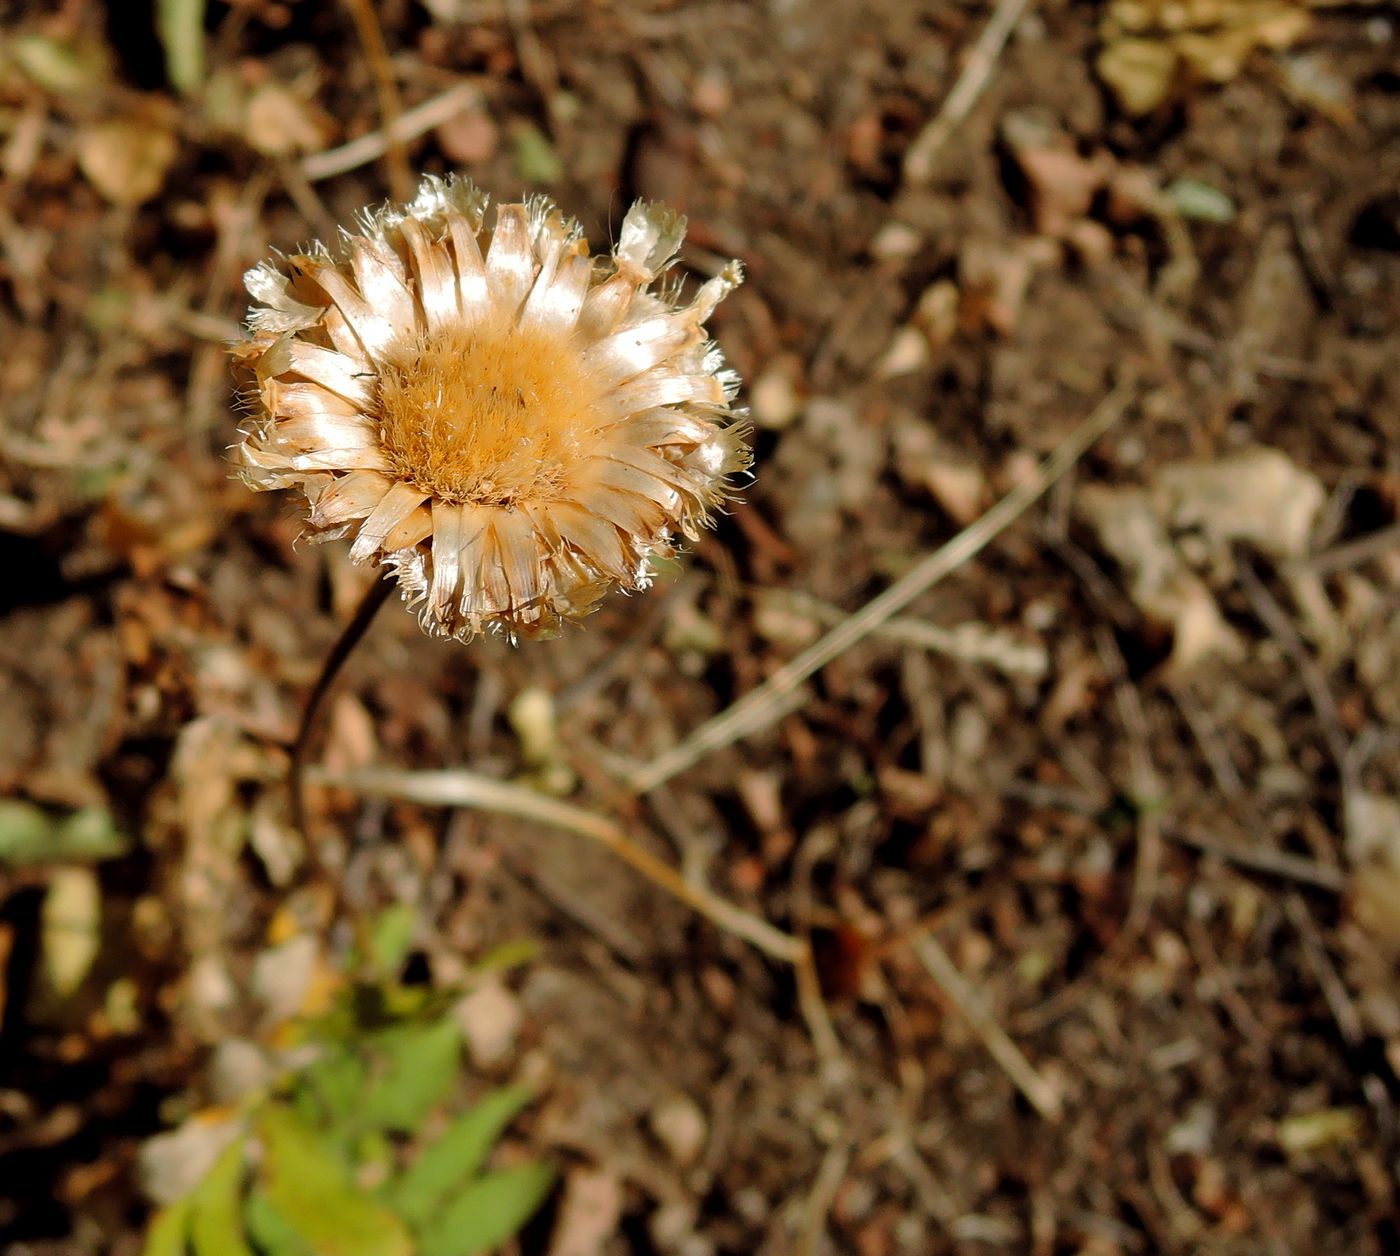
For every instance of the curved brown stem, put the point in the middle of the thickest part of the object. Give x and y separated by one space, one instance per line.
375 596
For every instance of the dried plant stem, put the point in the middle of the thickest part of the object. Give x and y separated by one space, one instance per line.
761 707
1275 863
375 596
408 126
977 70
1042 1096
457 787
390 107
817 1210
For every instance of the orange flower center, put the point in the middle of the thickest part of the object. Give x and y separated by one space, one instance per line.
492 415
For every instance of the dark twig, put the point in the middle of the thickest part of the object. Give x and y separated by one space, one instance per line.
1265 859
1281 628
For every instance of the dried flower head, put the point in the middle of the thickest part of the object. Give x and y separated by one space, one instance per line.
511 426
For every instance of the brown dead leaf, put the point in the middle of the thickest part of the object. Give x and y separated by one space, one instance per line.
1153 48
1257 497
1131 530
472 137
1062 182
589 1215
278 121
126 159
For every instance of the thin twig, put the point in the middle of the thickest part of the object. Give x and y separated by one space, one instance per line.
307 199
1338 1000
759 708
1207 735
818 844
390 107
1039 1093
536 65
976 74
1340 1004
1146 789
1227 994
375 596
968 642
1281 628
820 1198
410 125
1276 863
1363 549
458 787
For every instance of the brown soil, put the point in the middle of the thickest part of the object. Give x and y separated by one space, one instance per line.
1166 880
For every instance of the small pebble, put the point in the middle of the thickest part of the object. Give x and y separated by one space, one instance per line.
679 1126
490 1018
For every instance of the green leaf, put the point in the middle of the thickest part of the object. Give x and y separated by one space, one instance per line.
535 158
215 1205
338 1080
311 1189
508 955
30 835
270 1231
422 1067
168 1228
449 1163
391 937
67 69
488 1212
180 28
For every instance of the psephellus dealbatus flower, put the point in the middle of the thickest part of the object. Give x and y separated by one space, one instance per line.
511 425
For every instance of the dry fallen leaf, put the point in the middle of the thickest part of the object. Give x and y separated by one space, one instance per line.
278 122
1153 48
72 923
126 159
1256 496
1130 528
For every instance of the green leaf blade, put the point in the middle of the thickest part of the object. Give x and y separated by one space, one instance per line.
168 1230
216 1228
457 1156
490 1210
422 1067
180 28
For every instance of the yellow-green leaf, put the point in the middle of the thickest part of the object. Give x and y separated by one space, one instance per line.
180 28
311 1190
167 1231
216 1226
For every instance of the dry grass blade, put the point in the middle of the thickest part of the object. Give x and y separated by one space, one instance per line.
1362 550
458 787
1039 1093
760 708
408 126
